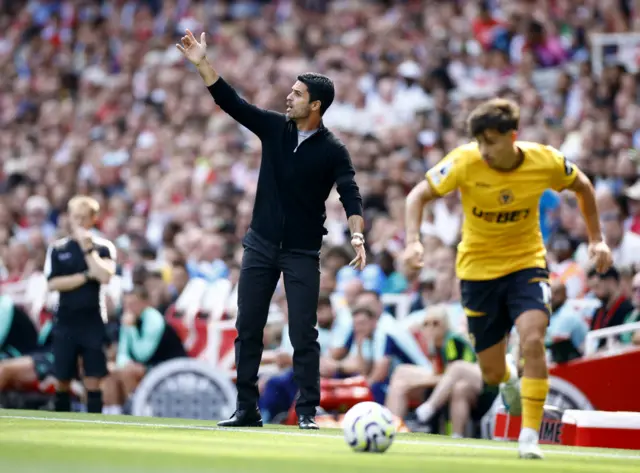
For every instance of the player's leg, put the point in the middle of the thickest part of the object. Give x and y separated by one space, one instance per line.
458 371
484 304
302 286
529 300
17 371
65 358
535 382
405 381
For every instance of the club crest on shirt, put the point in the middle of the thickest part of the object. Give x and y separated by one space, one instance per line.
505 197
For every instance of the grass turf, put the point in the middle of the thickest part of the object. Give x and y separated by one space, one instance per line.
35 442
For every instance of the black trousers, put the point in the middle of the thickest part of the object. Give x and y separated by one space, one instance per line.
262 264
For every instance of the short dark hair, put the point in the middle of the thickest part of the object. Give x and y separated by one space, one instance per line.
502 115
320 88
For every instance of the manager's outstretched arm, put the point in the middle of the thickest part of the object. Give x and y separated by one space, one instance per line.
599 251
255 119
419 196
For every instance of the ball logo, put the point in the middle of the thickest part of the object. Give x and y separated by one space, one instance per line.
185 388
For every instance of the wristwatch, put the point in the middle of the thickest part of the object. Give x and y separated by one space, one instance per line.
358 235
86 275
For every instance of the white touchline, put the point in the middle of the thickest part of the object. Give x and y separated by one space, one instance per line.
620 456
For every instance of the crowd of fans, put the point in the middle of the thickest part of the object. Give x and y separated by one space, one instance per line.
96 100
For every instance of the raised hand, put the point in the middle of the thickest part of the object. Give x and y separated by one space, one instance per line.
191 49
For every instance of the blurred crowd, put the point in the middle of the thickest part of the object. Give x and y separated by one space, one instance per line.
95 99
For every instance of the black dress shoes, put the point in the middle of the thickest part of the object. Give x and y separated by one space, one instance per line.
306 422
243 418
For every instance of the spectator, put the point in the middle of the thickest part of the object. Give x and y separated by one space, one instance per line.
567 329
615 305
633 221
625 245
145 341
634 315
564 268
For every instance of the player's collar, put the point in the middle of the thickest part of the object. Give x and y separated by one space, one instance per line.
518 164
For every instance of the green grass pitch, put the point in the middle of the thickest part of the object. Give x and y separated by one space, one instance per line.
39 442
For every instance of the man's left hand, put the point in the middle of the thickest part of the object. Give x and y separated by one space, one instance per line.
600 256
360 261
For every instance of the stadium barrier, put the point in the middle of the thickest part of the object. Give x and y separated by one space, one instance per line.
609 335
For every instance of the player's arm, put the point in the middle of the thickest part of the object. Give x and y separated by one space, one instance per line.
102 262
586 196
417 199
439 180
566 175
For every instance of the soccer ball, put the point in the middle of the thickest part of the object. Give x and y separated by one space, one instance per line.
368 427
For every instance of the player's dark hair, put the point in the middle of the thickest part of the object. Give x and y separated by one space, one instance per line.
501 115
320 88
